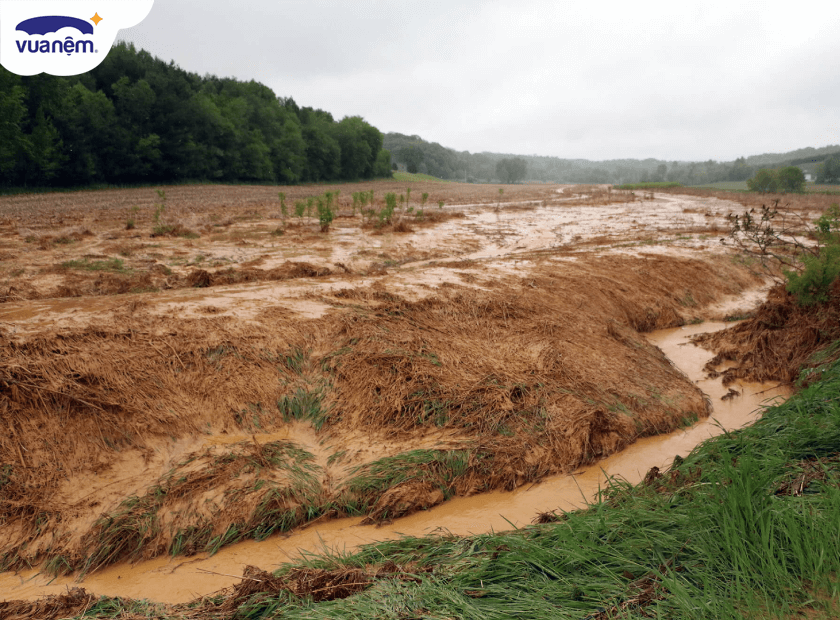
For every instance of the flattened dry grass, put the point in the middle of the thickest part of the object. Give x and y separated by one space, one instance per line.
389 487
780 340
257 490
719 536
544 373
744 527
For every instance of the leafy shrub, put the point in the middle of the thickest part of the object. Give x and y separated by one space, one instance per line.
325 212
813 283
387 212
788 179
764 181
791 179
812 286
783 240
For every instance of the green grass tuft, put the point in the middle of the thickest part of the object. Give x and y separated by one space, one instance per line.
115 265
304 405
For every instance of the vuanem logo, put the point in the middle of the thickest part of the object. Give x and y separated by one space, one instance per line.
63 37
47 24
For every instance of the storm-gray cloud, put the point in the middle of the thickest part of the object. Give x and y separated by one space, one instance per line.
601 80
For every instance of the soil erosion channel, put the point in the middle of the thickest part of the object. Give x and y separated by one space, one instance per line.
179 580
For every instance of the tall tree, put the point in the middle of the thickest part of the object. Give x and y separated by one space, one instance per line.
511 170
14 145
138 118
829 170
791 179
412 156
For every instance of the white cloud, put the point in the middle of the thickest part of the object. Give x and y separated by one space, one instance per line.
604 80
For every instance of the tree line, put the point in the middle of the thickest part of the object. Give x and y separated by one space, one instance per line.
138 119
418 155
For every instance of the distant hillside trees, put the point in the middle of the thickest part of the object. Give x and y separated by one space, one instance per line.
787 179
447 163
428 157
511 170
411 156
829 170
137 119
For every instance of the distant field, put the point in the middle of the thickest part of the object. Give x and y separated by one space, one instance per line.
409 176
732 186
741 186
828 189
653 185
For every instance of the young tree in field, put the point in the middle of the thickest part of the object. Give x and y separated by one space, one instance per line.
283 209
807 253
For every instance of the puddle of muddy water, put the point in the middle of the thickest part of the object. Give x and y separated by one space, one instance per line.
179 579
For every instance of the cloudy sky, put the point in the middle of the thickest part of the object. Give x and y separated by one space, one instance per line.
595 80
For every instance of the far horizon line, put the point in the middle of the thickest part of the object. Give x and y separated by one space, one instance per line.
612 159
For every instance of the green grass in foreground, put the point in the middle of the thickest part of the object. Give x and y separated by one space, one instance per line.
745 527
409 176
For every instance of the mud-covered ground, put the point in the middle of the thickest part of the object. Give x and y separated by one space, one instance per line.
181 373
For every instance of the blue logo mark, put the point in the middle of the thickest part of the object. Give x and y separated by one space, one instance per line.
53 23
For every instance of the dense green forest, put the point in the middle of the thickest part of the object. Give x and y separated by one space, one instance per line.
412 152
138 119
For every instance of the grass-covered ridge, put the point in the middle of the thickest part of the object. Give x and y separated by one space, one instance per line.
416 176
649 185
744 527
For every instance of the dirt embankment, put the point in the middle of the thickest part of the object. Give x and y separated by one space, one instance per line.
779 341
148 435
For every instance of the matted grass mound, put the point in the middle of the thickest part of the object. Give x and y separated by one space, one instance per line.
744 527
781 340
535 376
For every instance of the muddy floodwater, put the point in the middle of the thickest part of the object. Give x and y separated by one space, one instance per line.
180 579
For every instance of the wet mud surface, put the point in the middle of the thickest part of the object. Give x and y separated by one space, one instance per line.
181 403
179 580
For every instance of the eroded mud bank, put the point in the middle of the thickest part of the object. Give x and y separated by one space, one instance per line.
178 579
312 376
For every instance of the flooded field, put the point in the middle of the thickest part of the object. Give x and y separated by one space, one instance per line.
179 580
176 407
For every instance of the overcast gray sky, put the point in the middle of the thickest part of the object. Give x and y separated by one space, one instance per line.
595 80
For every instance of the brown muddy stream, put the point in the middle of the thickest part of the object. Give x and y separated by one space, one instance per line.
180 579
